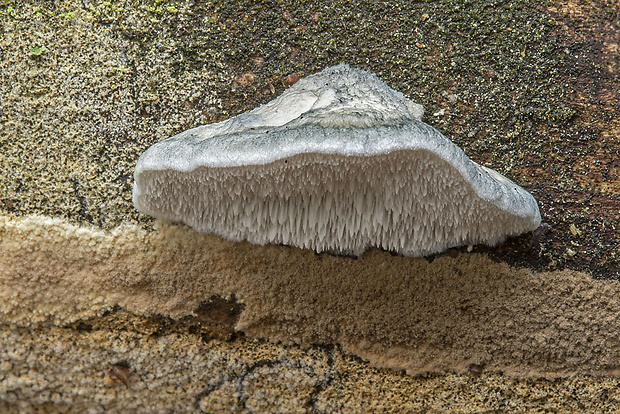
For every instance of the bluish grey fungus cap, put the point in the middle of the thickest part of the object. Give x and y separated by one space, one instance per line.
339 162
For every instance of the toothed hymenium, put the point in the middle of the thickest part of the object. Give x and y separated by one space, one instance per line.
339 162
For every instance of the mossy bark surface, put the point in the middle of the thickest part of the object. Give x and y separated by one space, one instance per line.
528 89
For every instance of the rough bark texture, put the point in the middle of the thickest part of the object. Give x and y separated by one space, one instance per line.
100 317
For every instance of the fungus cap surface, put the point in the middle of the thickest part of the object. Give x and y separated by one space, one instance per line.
339 162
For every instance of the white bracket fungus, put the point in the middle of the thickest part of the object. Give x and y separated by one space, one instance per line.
339 162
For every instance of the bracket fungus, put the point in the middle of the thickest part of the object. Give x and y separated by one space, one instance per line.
339 162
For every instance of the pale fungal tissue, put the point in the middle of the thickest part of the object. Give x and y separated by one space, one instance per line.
340 162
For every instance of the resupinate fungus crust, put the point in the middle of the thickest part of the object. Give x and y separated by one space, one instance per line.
340 162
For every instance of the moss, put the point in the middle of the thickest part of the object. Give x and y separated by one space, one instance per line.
505 81
37 51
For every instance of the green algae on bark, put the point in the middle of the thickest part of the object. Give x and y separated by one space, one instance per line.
502 79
